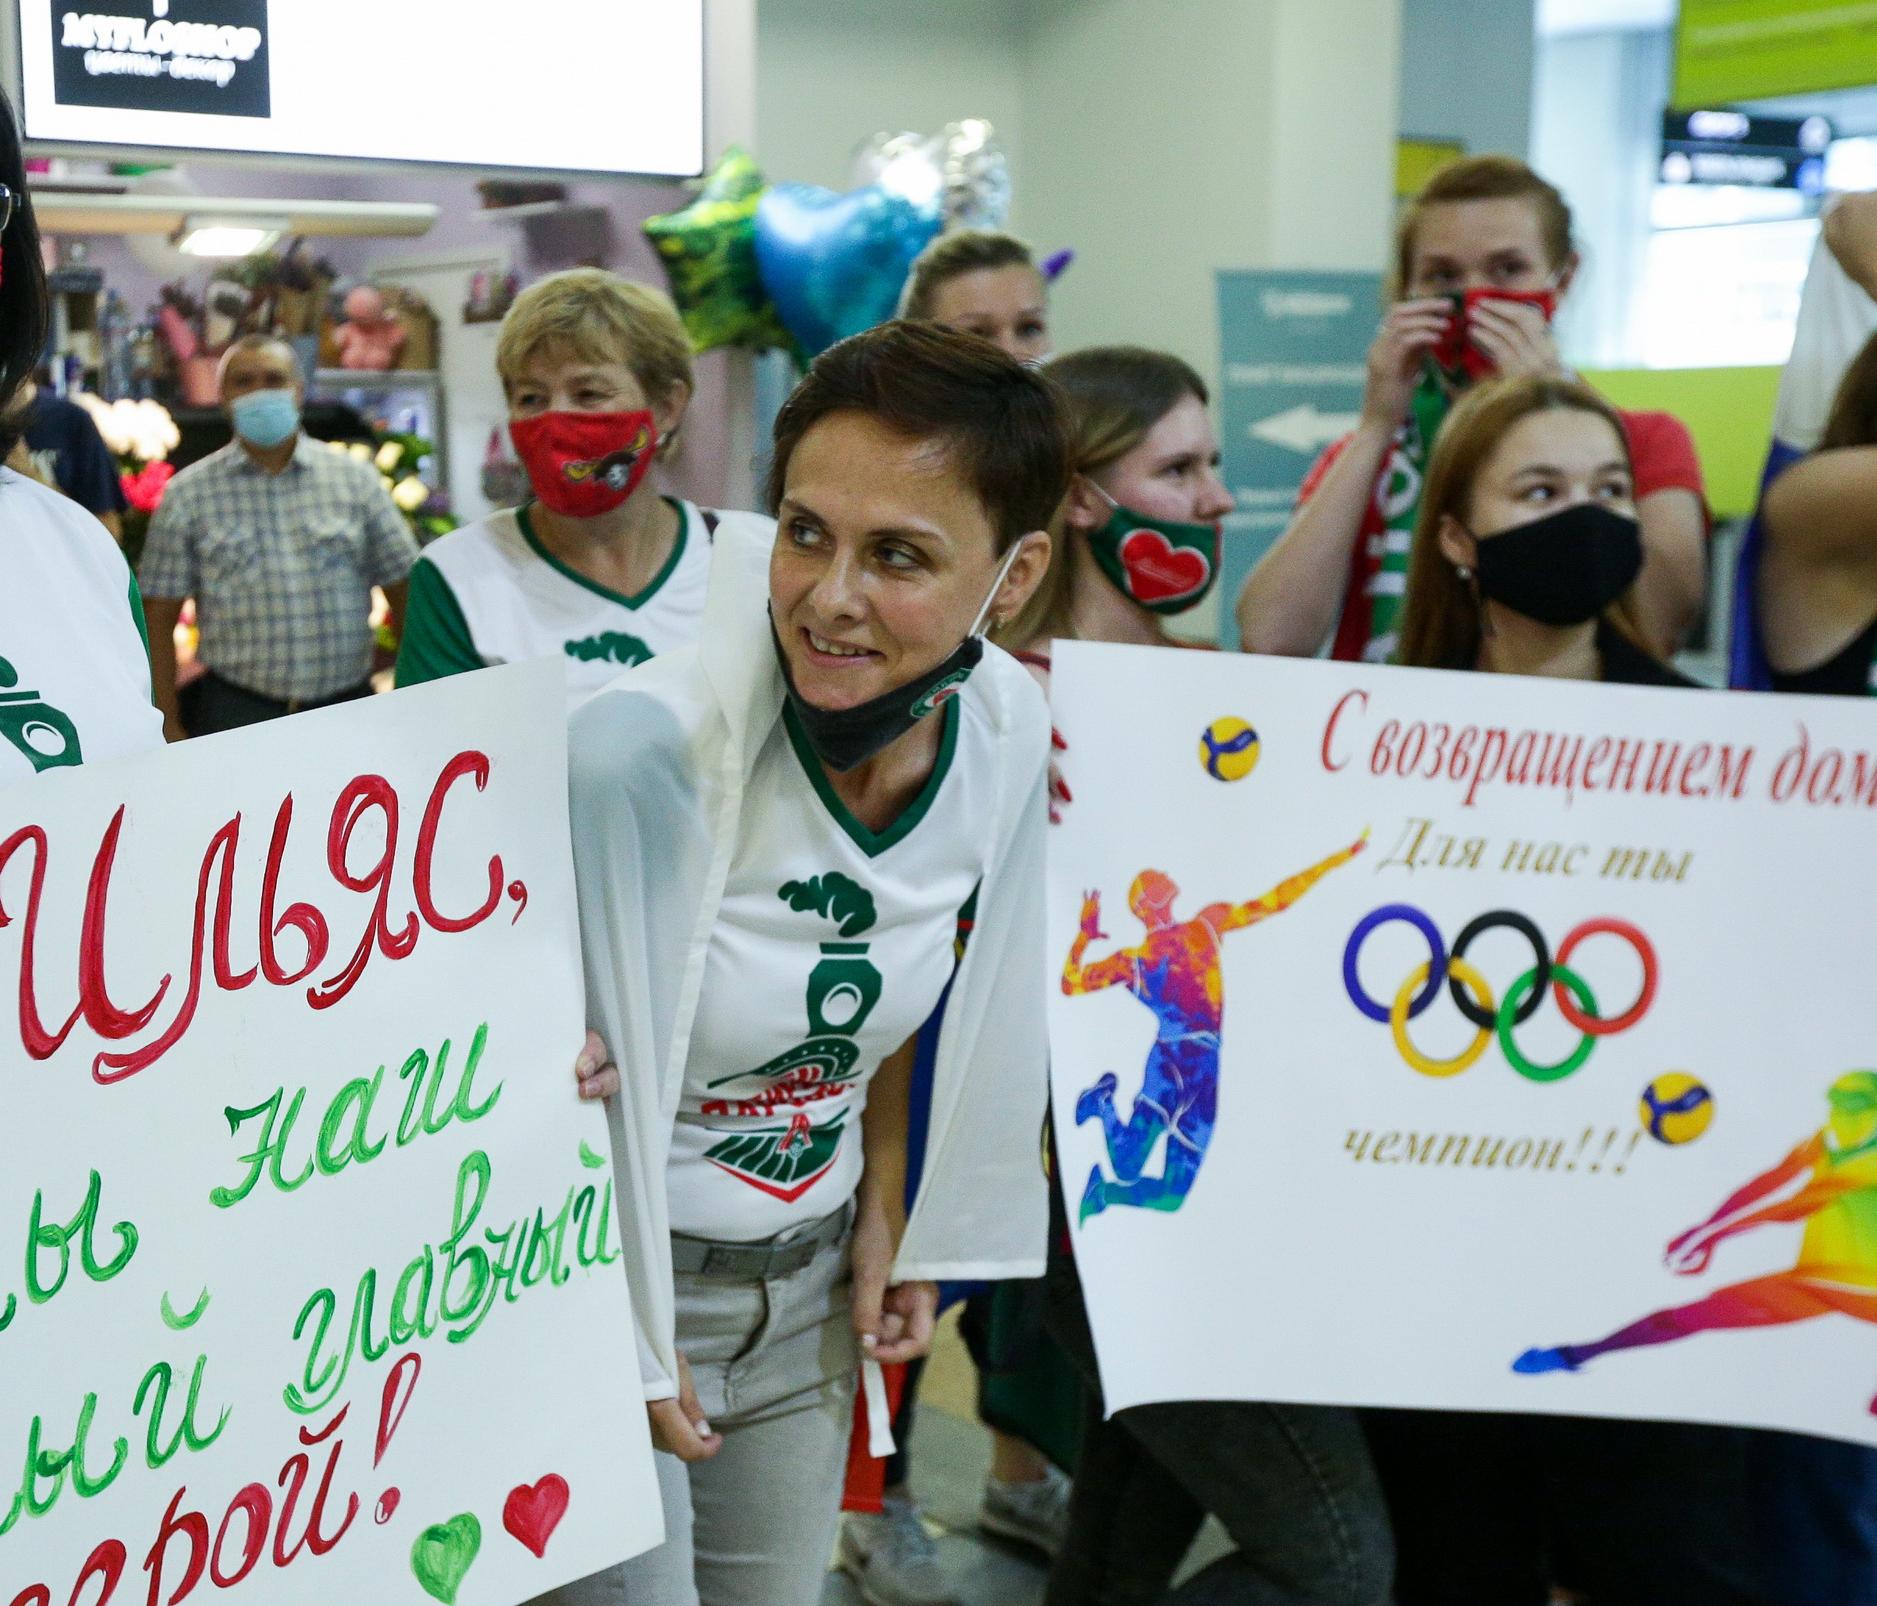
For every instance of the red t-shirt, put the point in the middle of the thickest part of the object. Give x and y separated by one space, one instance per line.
1661 451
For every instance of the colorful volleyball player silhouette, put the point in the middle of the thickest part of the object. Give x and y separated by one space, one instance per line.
1176 973
1829 1182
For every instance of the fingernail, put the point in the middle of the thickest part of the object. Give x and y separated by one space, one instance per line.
703 1429
867 1341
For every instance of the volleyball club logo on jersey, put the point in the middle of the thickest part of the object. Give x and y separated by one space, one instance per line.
787 1158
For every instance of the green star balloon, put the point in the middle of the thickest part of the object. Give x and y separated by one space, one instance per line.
709 252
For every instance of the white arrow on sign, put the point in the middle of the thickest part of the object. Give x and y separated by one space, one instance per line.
1303 429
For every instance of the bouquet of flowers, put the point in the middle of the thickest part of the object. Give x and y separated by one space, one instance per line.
140 435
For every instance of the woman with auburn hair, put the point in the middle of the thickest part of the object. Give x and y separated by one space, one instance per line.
1525 562
1138 543
1528 546
1483 256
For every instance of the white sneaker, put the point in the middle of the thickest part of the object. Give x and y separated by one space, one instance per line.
1033 1513
892 1559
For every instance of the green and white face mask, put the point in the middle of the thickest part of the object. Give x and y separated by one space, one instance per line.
1166 565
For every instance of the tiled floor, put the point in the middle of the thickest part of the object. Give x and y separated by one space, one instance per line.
950 1460
951 1454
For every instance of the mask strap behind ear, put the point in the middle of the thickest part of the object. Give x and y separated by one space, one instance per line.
997 585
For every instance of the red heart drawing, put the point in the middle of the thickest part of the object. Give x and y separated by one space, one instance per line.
1158 571
532 1513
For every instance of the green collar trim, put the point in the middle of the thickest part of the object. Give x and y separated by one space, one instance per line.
870 842
639 599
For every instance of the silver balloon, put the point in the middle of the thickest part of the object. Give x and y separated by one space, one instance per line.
906 165
975 175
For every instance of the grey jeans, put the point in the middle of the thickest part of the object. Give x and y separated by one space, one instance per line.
774 1365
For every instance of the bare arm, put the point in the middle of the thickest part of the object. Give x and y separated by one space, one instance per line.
1674 577
160 615
114 522
1291 599
894 1321
1818 572
1288 891
1850 231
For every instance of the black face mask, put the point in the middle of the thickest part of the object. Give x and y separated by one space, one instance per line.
1562 569
844 737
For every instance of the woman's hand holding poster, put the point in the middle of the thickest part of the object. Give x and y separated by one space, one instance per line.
309 1281
1468 1041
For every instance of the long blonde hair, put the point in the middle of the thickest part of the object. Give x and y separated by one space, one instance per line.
1115 395
1440 613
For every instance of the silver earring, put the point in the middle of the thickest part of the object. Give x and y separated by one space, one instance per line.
1464 574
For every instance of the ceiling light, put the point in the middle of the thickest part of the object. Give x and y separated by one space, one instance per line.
227 237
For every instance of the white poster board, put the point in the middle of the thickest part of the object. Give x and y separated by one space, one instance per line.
309 1278
1315 1178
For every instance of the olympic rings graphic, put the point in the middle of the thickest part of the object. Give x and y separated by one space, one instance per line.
1472 994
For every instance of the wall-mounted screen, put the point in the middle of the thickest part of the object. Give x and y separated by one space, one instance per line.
609 86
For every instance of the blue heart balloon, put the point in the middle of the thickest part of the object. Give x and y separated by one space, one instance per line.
834 264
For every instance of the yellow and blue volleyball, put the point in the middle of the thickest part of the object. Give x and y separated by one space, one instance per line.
1228 749
1676 1108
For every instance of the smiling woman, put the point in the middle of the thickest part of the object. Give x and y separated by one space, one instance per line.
777 833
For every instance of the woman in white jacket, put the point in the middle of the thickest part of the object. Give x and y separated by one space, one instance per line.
778 837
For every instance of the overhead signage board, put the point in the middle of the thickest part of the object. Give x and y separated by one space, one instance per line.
1720 146
608 86
1734 50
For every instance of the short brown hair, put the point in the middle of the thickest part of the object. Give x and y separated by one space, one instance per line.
1114 395
1484 178
1000 424
598 317
964 251
1439 612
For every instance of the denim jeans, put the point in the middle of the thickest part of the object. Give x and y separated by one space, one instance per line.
774 1364
1292 1485
1818 1513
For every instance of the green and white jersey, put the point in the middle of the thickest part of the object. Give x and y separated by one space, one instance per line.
491 593
74 670
832 947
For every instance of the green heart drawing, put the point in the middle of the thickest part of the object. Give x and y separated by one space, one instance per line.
442 1555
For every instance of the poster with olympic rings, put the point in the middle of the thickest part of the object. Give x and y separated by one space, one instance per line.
1467 1041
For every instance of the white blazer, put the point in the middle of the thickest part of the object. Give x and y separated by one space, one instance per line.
659 762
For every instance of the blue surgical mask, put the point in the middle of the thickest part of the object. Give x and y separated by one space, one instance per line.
265 418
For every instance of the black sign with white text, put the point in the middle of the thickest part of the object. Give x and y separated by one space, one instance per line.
163 56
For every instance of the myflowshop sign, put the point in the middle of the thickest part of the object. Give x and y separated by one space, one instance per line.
164 56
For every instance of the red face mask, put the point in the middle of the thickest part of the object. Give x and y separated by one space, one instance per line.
584 464
1456 353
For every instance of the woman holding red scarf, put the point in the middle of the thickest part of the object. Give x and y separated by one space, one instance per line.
1483 257
599 568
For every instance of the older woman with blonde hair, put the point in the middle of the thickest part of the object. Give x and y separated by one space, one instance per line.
599 567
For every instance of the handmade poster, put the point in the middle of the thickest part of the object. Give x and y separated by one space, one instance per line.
310 1280
1467 1041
